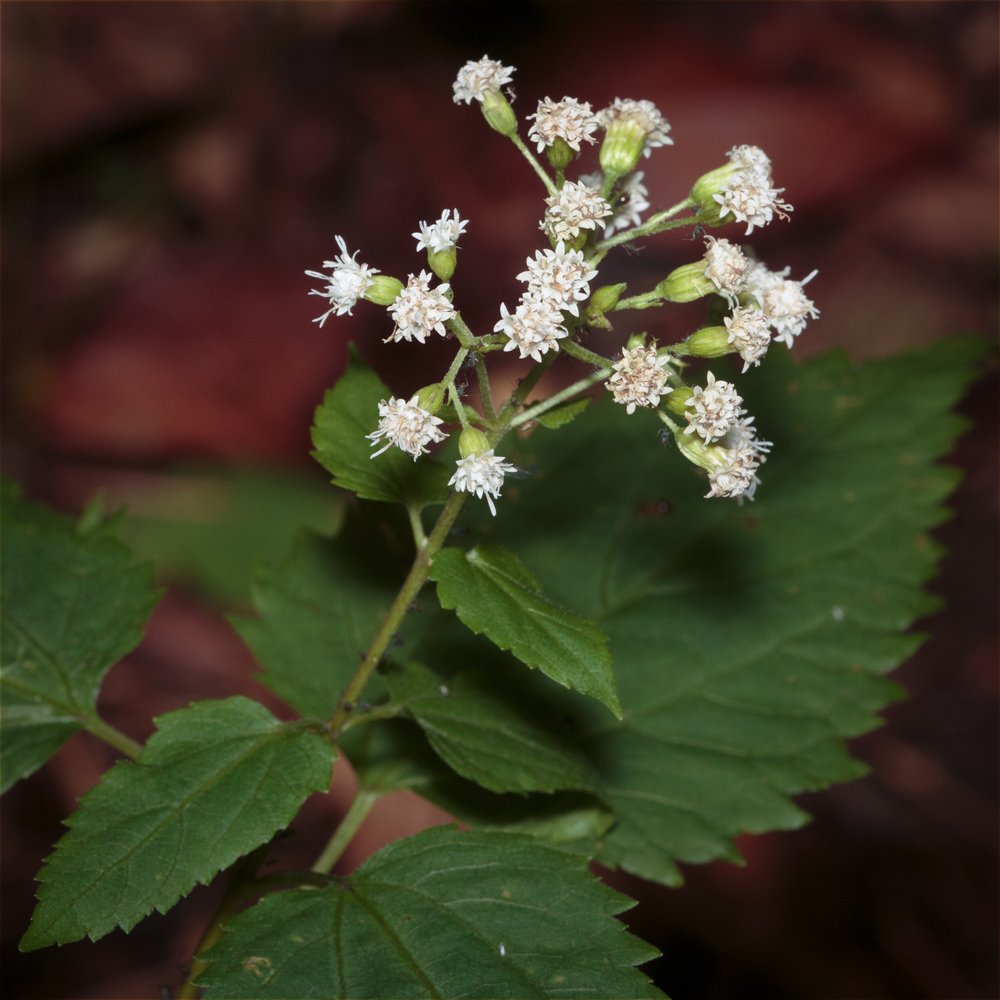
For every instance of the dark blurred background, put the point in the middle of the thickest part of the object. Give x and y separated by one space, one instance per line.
169 170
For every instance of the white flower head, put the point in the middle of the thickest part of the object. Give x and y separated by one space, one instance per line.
638 379
631 200
714 409
482 474
783 302
751 158
726 266
420 310
750 198
642 116
750 333
348 282
574 207
475 78
407 425
735 475
570 120
534 328
441 235
562 276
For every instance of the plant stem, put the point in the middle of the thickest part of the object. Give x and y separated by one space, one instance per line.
659 223
346 829
485 395
228 906
559 397
574 350
397 612
535 165
115 737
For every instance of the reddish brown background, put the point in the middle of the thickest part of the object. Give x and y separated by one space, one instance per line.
169 170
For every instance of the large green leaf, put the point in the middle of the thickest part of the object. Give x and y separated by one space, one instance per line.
748 641
494 594
318 612
348 413
216 780
75 601
441 914
484 724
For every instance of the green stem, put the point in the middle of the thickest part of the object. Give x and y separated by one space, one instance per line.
416 525
574 350
485 394
397 612
535 165
659 223
554 400
345 831
228 907
461 330
508 413
104 731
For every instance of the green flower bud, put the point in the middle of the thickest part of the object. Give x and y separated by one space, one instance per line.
606 297
622 146
472 442
678 398
442 262
712 183
498 113
706 456
636 340
709 342
560 154
431 397
383 290
685 284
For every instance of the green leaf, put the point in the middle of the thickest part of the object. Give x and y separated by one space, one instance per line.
318 611
441 914
394 754
74 603
562 415
494 594
482 723
216 780
750 641
348 413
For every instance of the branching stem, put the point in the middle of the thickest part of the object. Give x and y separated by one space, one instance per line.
345 831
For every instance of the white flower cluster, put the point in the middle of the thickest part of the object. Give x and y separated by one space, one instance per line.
441 235
784 304
715 409
740 454
476 77
631 202
406 425
573 208
570 120
750 195
639 378
642 116
348 282
420 310
482 474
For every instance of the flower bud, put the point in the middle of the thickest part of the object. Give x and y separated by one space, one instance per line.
604 298
383 290
472 442
622 146
431 397
442 262
677 400
685 284
706 456
560 154
713 183
709 342
498 113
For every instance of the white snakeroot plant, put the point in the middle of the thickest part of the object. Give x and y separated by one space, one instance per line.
441 701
